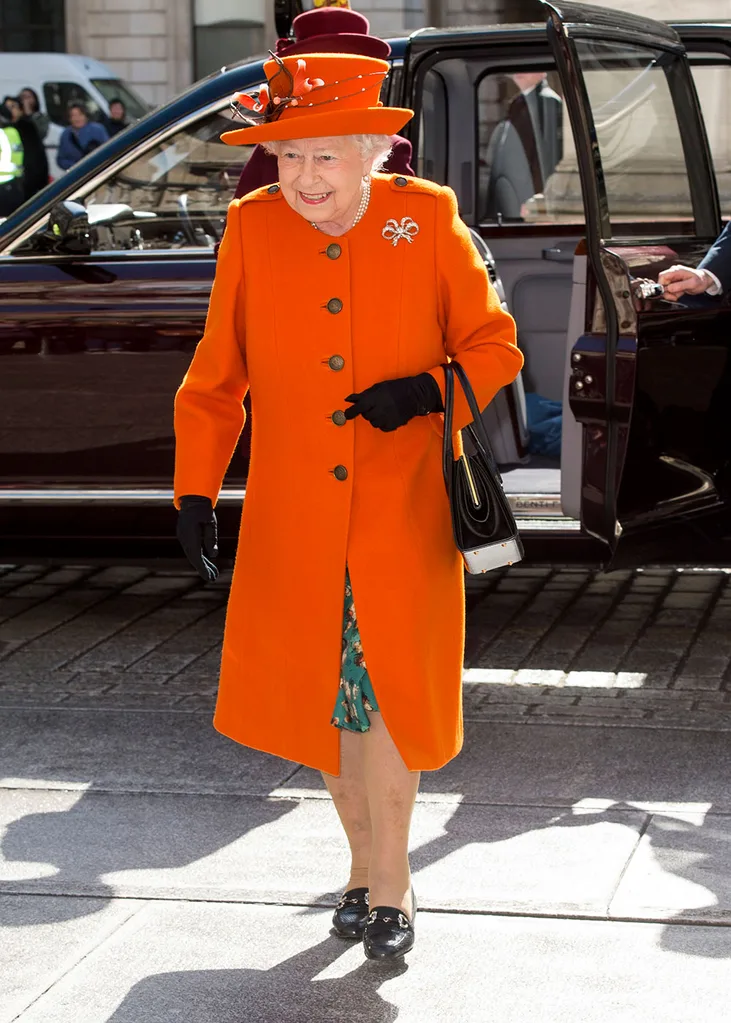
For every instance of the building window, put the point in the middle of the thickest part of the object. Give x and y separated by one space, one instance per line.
32 25
224 43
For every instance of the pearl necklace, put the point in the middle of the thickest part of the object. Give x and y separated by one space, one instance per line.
365 198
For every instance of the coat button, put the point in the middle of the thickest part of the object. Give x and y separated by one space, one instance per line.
335 305
400 182
339 418
273 189
340 472
333 251
336 363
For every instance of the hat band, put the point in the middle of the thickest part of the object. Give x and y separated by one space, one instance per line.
269 107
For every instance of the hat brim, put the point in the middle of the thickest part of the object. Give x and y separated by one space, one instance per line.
340 42
369 121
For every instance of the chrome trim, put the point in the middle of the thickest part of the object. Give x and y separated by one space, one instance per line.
532 511
536 505
127 158
101 495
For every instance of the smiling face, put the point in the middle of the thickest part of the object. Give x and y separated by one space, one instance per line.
322 179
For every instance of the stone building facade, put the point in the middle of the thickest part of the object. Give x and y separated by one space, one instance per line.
160 46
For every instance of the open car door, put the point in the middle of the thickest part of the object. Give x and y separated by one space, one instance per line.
649 381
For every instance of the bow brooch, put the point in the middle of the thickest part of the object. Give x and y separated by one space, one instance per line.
394 232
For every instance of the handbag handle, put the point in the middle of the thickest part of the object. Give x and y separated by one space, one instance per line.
476 427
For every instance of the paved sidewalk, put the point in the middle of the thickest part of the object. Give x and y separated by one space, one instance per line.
152 871
647 649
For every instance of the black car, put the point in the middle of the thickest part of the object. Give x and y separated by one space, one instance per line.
583 164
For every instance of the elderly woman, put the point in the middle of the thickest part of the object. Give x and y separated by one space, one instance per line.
339 295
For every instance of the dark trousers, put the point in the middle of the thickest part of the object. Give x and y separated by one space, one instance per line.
11 196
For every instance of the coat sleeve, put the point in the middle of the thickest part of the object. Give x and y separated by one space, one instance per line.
718 258
477 330
209 405
68 154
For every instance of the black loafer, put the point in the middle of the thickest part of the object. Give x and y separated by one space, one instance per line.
349 918
389 933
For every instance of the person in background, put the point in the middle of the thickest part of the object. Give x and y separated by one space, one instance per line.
35 161
11 165
526 147
712 276
32 109
80 138
117 120
331 28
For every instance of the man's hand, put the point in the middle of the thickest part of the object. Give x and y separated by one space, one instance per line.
683 280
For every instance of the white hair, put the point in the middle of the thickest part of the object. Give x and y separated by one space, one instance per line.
376 146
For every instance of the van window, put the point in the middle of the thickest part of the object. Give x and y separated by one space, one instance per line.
113 88
58 96
178 191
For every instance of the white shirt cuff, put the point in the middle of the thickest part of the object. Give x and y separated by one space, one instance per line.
715 288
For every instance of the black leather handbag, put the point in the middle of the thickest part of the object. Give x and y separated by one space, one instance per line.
482 521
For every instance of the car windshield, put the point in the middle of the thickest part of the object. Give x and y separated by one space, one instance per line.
114 88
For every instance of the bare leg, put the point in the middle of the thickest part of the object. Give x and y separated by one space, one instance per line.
350 797
391 790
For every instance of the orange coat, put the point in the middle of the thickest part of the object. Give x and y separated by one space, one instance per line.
272 327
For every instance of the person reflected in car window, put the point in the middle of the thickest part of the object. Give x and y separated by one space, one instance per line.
525 147
80 138
712 276
35 161
117 120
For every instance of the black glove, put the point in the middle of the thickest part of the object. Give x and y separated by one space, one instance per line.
198 534
393 403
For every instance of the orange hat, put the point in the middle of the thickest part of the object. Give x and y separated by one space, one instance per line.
316 96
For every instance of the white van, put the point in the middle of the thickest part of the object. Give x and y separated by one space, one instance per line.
62 78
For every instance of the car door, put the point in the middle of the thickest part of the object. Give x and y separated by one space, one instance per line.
93 346
650 383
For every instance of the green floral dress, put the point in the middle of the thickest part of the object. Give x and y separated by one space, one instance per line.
355 696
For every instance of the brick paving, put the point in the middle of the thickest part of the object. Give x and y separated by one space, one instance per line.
650 648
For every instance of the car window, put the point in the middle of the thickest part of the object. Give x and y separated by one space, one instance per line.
643 161
522 145
712 76
176 193
58 97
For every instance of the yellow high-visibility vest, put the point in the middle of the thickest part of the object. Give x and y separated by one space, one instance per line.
11 154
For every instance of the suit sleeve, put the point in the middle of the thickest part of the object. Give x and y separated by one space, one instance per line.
209 409
477 330
718 259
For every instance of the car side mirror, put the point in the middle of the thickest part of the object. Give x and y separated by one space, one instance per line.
68 232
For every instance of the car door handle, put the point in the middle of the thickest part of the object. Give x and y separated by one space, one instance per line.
556 254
